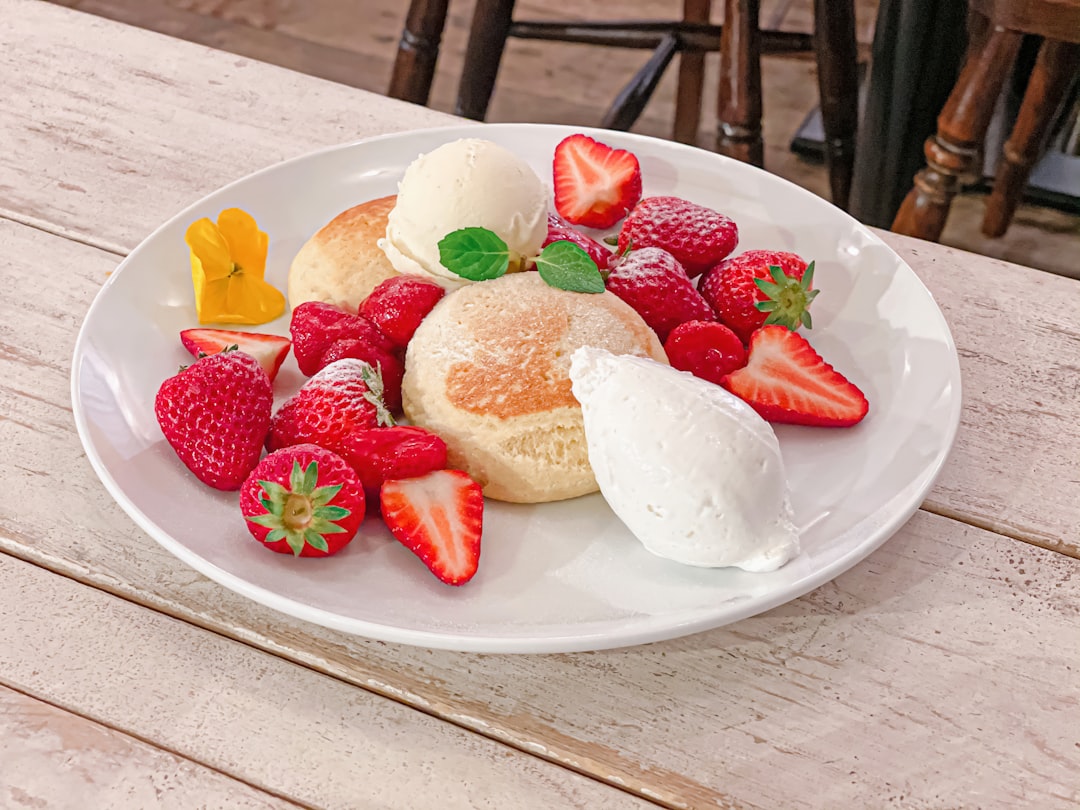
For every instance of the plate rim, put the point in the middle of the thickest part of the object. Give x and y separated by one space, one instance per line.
630 634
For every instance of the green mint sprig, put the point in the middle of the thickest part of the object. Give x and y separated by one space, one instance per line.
478 254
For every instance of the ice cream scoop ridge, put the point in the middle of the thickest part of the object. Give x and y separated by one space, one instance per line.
691 470
468 183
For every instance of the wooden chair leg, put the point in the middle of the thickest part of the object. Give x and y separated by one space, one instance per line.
487 41
691 78
838 83
739 105
418 51
1054 70
962 125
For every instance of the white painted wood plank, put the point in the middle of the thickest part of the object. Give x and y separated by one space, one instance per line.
1015 467
942 667
115 129
250 715
111 118
51 758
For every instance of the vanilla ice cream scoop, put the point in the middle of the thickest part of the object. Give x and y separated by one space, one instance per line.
468 183
691 469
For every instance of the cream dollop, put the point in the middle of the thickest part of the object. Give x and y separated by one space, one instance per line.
692 470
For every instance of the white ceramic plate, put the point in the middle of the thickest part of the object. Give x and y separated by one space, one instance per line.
555 577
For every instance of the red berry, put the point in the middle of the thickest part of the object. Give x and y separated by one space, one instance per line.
785 380
652 282
215 415
559 230
315 326
343 397
386 362
439 517
595 185
733 294
400 451
269 350
706 349
695 235
291 504
399 304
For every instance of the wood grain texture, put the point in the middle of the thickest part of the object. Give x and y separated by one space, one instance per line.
51 758
248 715
1015 467
830 690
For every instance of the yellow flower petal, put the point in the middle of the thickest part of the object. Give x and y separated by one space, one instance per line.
227 265
247 244
210 248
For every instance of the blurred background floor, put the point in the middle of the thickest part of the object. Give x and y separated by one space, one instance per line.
354 42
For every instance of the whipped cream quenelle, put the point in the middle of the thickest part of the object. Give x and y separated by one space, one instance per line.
463 184
691 469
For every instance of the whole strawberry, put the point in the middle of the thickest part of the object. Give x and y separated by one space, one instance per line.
384 453
215 415
303 500
695 235
389 365
559 230
315 326
706 349
760 287
653 282
399 304
343 397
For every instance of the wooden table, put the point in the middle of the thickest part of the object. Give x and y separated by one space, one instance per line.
941 672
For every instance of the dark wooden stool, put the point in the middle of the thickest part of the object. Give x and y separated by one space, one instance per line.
996 28
740 42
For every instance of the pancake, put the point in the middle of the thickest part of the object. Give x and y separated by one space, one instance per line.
488 371
342 263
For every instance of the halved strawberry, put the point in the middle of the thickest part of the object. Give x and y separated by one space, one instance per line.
269 350
595 185
439 517
785 380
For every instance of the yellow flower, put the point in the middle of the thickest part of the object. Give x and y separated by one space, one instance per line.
227 265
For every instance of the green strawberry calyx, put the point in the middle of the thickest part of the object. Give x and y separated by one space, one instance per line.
478 254
301 513
787 299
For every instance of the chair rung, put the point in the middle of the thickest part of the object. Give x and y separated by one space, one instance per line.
648 35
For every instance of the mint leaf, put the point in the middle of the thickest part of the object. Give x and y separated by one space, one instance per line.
474 253
566 266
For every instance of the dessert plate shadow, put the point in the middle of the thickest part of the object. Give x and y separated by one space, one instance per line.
555 577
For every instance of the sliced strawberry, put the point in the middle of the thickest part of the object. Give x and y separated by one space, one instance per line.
785 380
595 185
559 230
439 517
706 349
269 350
